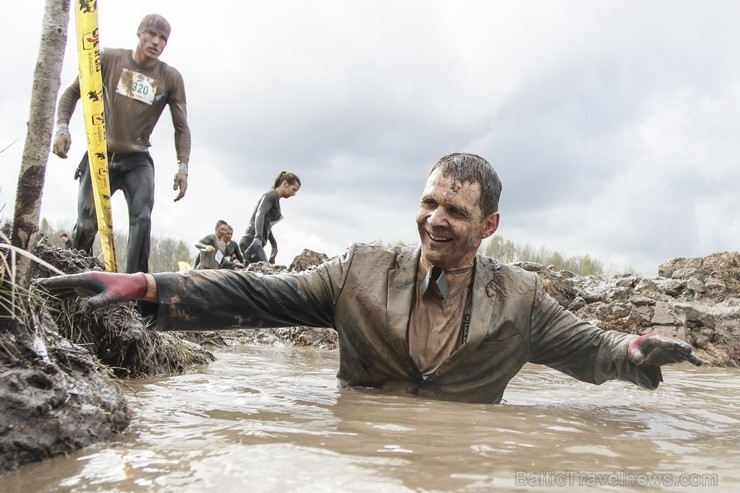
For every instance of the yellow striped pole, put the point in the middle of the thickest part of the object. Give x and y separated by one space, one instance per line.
91 94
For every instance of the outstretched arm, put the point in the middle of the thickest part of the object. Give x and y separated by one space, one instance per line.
573 346
104 288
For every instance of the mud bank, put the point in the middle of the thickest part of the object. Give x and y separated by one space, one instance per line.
696 299
59 364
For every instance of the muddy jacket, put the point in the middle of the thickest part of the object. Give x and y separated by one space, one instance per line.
367 295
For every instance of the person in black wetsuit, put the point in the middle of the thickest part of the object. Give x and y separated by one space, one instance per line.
266 214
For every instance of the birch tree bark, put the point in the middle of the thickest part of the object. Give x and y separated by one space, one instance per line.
46 83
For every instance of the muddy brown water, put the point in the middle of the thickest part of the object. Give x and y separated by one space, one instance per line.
271 419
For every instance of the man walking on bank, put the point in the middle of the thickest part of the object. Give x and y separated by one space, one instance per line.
136 88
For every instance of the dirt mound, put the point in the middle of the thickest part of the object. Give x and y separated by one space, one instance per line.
696 299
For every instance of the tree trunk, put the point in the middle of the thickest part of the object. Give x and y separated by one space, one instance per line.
46 83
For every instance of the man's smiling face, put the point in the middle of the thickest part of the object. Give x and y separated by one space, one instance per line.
450 224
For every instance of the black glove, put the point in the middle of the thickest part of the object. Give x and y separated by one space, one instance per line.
102 288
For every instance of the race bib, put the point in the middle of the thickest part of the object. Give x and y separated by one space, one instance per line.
137 86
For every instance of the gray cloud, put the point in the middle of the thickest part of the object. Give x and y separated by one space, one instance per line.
612 124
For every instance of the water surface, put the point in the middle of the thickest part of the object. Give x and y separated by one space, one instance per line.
271 419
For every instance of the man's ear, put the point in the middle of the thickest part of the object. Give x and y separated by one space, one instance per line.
490 225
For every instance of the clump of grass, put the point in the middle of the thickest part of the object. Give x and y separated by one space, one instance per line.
22 334
17 300
115 335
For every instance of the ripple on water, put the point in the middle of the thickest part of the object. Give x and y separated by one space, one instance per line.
273 419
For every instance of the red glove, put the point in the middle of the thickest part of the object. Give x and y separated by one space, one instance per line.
102 288
659 350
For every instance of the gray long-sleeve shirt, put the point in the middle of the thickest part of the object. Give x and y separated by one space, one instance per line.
135 98
265 214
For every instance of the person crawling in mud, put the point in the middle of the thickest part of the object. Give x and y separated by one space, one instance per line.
436 320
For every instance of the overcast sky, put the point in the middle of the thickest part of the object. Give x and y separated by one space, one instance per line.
614 125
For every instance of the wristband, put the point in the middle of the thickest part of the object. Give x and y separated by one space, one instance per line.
62 128
182 168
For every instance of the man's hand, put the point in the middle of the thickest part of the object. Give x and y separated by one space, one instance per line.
652 351
62 141
273 254
181 182
102 288
659 350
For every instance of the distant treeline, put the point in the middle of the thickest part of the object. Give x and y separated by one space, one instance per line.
508 252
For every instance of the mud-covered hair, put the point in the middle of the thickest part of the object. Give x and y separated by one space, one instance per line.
470 168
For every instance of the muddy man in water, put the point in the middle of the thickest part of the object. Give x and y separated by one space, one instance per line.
436 320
